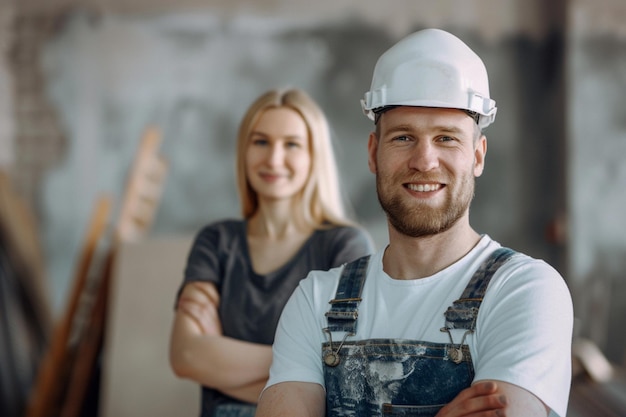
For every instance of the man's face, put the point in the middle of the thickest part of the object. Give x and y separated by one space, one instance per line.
425 160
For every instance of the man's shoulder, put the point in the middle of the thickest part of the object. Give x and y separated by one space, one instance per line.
522 263
519 261
524 274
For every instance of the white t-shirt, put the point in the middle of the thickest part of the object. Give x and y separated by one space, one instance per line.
523 330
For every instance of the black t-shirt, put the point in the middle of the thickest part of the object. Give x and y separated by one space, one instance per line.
250 304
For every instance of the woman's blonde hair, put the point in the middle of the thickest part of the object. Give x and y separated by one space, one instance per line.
319 201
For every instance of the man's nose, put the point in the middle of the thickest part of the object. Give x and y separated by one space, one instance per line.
424 157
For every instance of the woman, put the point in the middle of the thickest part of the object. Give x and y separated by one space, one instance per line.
240 273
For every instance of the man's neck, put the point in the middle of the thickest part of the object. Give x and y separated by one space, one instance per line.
412 258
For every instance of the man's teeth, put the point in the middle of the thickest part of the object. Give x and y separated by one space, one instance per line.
424 187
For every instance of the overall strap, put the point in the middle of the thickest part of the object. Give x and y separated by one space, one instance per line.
463 312
343 313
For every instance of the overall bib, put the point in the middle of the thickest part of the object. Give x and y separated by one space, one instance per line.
398 377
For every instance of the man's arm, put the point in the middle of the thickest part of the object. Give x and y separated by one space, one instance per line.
248 393
484 398
523 337
494 398
520 402
292 399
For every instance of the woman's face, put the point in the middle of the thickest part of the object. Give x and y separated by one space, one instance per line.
278 159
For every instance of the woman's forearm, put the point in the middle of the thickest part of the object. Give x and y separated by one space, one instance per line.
216 361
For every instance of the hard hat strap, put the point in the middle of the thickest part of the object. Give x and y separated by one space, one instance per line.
474 115
379 111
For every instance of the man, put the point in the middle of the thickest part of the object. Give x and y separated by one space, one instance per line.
444 321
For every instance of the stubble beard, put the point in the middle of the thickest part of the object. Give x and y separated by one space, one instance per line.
421 220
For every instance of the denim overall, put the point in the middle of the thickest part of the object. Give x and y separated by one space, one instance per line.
234 410
398 377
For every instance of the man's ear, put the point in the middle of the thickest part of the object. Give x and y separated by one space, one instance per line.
372 147
480 152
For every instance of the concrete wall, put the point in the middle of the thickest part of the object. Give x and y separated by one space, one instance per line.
7 13
109 74
596 174
93 77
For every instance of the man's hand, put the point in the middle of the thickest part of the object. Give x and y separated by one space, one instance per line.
491 398
200 301
482 399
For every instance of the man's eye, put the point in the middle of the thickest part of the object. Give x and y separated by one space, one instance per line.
402 138
446 139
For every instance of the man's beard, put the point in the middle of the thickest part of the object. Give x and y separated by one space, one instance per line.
422 220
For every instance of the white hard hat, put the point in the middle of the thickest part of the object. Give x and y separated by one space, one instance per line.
431 68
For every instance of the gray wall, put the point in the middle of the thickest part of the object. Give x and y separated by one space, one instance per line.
596 174
555 163
193 76
6 103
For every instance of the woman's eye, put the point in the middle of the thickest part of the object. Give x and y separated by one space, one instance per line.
293 144
259 142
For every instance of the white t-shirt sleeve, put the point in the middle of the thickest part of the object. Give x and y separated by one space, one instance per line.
524 331
299 335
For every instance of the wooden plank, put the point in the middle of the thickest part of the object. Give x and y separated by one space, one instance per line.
144 187
51 381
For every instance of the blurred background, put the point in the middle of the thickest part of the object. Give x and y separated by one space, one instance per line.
90 87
